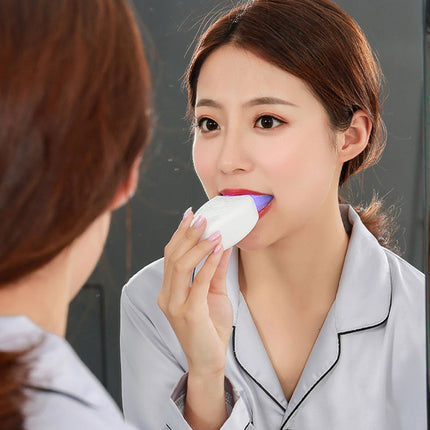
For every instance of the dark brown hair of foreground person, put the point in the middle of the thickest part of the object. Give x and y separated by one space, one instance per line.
319 43
74 116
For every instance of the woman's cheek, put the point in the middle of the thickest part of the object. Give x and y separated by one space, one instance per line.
203 165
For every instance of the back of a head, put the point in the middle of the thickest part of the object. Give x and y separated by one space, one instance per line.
74 95
74 117
318 42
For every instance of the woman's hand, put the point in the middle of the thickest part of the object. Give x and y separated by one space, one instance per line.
200 314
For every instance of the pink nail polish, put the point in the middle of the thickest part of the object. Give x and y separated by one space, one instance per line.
187 213
218 248
214 236
199 222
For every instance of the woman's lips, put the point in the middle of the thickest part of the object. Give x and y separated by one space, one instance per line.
239 192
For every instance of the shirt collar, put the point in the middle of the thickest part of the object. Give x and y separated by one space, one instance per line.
363 301
364 294
55 367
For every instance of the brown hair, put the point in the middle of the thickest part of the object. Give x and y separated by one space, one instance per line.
322 45
14 371
74 116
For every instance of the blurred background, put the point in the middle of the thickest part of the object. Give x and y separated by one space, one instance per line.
168 185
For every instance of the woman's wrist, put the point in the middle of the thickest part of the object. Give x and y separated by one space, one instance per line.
205 406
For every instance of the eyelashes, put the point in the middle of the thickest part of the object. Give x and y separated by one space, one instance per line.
207 125
266 122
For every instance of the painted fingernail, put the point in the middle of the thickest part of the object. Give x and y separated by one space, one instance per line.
187 213
198 222
214 236
218 248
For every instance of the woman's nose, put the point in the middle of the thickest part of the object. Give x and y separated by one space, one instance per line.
234 156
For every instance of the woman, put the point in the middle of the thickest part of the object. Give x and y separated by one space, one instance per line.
310 322
74 103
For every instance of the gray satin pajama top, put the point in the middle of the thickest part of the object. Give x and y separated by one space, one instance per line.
366 371
62 393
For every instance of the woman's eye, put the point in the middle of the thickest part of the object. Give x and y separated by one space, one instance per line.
207 124
267 121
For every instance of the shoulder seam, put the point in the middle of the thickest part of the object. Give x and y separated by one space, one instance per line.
403 261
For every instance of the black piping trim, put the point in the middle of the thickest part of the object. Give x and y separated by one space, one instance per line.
62 393
243 368
247 425
193 275
337 359
316 383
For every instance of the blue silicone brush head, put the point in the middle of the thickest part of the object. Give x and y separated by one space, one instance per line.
261 201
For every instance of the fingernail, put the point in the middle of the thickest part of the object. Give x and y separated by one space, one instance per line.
218 248
198 222
187 213
214 236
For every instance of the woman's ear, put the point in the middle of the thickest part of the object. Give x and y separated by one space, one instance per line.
355 139
128 188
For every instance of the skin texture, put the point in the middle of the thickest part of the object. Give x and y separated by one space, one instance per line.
290 264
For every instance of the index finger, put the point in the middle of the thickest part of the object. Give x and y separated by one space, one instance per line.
180 232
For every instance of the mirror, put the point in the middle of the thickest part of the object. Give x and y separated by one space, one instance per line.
169 186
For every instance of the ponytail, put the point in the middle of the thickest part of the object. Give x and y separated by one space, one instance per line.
380 221
14 373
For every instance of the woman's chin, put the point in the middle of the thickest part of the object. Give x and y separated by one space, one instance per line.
252 242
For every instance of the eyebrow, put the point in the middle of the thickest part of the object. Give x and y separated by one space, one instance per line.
254 102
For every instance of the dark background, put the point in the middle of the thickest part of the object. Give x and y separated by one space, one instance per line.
168 184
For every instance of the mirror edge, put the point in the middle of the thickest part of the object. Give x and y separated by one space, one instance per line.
426 126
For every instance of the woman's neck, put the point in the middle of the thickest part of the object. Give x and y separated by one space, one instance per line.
302 270
43 296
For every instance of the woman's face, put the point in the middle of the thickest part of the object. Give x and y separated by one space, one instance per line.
261 129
